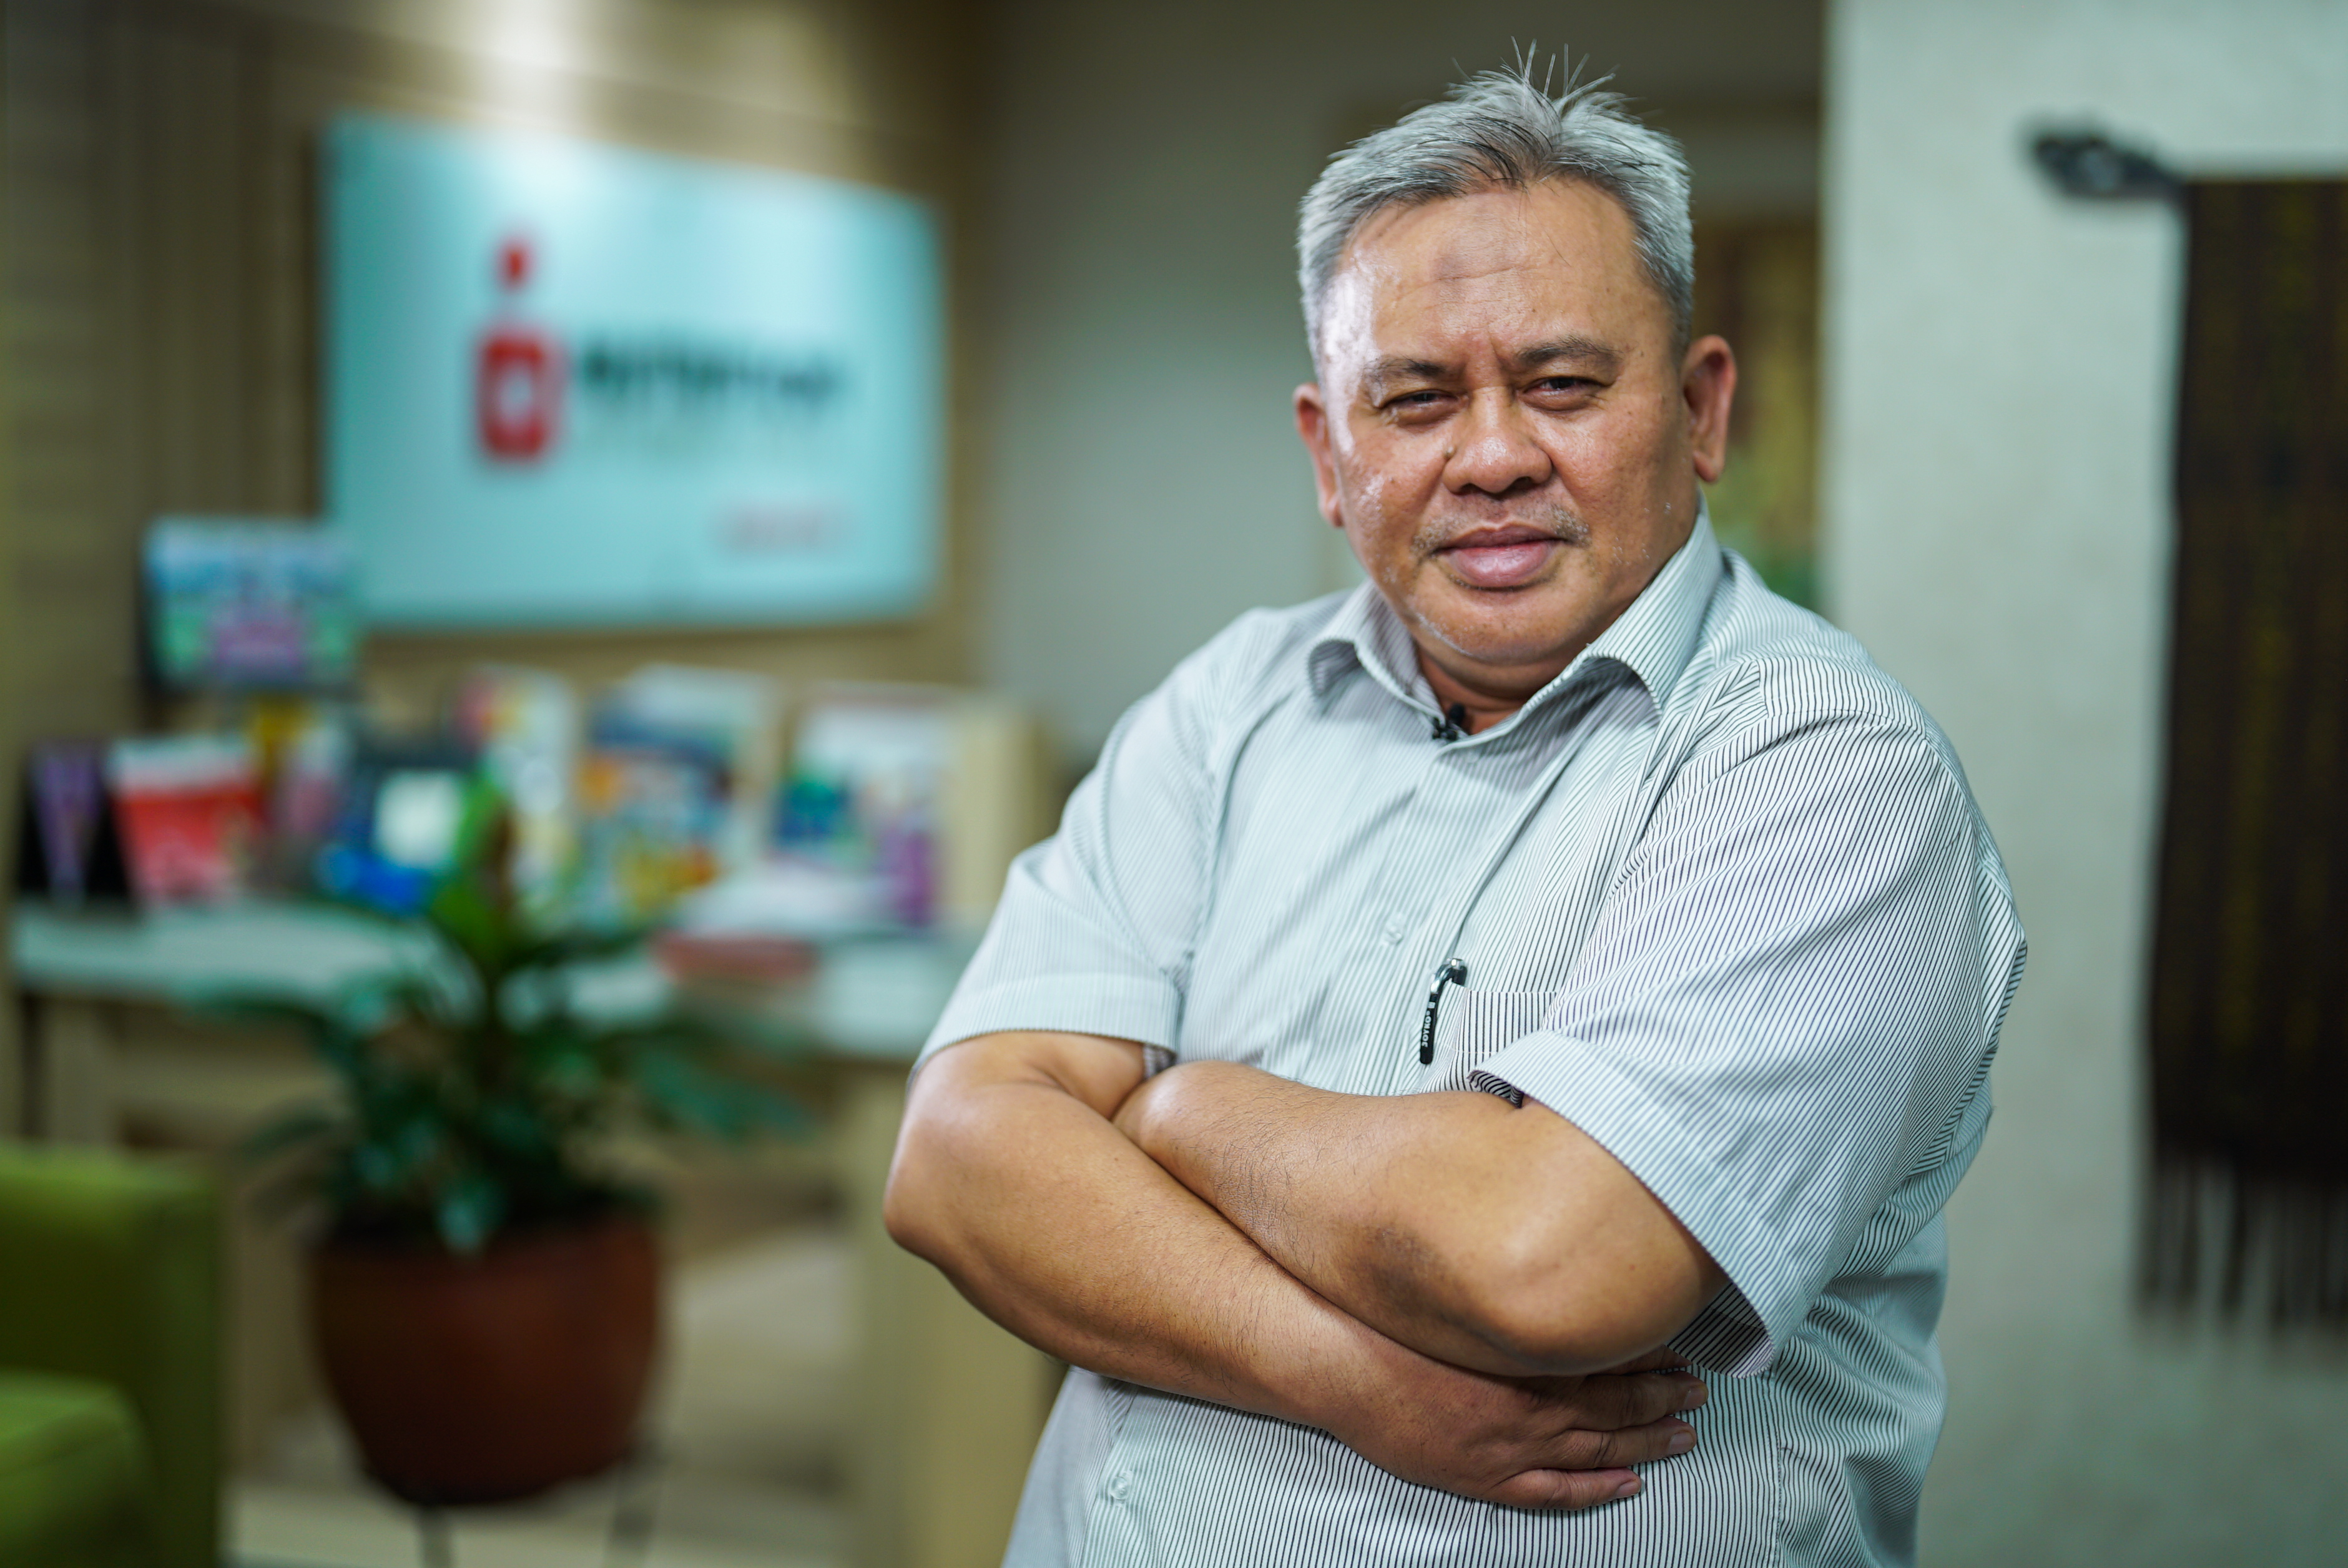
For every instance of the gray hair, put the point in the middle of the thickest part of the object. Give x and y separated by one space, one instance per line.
1498 130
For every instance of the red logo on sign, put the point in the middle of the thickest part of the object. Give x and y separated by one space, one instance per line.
519 394
518 376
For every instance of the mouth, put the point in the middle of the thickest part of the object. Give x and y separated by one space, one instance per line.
1511 556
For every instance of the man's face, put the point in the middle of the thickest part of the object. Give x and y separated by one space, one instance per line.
1502 429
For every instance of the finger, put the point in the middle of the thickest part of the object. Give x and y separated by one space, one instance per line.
1608 1403
1588 1451
1565 1490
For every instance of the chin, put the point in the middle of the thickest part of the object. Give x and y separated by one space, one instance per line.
1507 629
1512 649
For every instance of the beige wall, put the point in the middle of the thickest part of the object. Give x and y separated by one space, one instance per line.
2000 374
162 268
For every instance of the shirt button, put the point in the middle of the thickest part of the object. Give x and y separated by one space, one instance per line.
1119 1485
1393 931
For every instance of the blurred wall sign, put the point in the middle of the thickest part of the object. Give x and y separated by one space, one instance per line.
569 385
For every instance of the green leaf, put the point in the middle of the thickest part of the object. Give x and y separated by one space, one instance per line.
345 1053
517 1127
376 1166
259 1007
709 1036
484 831
359 909
436 1001
565 1060
464 913
578 944
683 1094
402 1134
469 1096
470 1211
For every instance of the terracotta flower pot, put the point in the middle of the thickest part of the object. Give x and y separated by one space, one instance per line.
487 1378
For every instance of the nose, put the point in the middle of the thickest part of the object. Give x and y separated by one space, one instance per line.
1496 452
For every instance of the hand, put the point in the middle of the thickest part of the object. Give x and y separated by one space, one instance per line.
1561 1443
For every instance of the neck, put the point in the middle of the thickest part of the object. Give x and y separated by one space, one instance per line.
1486 704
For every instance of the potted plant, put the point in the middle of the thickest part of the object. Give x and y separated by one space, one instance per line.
483 1279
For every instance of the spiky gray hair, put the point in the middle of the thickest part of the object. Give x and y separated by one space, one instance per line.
1497 131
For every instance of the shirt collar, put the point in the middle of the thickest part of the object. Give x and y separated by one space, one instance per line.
1653 639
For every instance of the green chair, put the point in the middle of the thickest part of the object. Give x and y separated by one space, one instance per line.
109 1362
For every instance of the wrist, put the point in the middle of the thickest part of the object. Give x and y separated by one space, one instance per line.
1340 1372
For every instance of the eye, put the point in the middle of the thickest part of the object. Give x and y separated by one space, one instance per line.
1563 394
1418 404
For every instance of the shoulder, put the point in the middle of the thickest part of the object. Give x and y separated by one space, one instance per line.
1218 693
1256 661
1265 648
1785 736
1769 676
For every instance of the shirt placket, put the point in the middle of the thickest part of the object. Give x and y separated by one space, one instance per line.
1455 787
1113 1533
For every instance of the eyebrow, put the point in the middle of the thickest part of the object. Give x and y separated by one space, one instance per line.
1579 349
1570 350
1399 367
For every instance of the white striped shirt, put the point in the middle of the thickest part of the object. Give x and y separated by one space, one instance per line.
1725 904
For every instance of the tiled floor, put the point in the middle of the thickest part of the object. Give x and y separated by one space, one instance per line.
749 1417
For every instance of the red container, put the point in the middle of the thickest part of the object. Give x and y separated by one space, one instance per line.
490 1379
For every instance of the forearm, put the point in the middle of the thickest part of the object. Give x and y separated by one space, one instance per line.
1483 1234
1010 1177
1055 1225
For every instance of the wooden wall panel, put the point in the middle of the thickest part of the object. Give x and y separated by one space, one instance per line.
71 617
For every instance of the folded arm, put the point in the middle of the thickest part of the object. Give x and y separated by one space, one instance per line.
1010 1178
1488 1235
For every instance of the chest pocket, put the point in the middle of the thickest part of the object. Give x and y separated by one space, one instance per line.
1472 1025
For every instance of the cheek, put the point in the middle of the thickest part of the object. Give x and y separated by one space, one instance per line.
1385 488
1620 459
1367 493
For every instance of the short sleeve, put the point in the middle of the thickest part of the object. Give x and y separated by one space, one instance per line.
1096 925
1786 1006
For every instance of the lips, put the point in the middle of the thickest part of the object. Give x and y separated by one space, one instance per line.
1500 557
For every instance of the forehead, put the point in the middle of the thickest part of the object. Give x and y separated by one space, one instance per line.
1557 256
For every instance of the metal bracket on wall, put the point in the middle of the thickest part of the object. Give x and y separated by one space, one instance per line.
2083 162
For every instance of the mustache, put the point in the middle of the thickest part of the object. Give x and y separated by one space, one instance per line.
1553 520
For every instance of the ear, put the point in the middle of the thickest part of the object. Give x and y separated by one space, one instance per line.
1313 428
1708 385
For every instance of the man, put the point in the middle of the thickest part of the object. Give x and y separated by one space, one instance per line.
1452 1010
